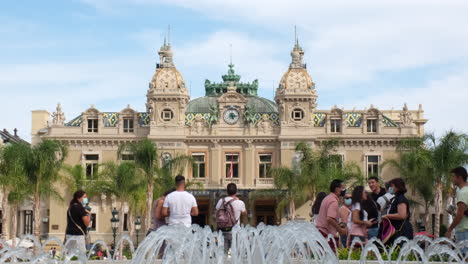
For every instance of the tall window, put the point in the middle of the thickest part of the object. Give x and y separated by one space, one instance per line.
264 165
335 125
128 125
127 157
92 125
373 165
91 165
93 222
371 125
336 160
28 222
198 167
125 223
232 165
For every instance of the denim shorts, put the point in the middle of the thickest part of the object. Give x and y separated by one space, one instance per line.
460 236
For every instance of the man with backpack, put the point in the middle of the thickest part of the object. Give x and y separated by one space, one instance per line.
228 212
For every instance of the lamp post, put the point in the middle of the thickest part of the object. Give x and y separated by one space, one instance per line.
114 224
137 228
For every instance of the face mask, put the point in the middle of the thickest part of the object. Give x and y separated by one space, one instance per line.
348 201
343 192
390 190
85 201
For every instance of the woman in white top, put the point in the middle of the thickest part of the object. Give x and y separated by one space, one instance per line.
360 221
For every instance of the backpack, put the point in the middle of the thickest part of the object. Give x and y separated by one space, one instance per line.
225 217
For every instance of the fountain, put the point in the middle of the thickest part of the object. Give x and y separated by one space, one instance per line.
293 242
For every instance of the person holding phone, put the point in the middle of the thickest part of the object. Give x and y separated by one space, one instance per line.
360 221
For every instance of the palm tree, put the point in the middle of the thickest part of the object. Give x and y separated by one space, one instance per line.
288 181
321 167
416 167
74 177
425 163
19 193
158 177
146 160
449 151
312 175
12 181
122 180
42 164
165 174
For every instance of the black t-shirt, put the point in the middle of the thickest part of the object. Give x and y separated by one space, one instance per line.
76 211
372 210
376 196
399 198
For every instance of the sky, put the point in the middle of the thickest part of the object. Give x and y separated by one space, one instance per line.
360 52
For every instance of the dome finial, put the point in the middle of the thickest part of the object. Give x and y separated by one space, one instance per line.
168 35
230 54
296 41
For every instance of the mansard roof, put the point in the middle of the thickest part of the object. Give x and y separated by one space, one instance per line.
6 137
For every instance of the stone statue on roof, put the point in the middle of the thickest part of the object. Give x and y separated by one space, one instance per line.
213 119
58 117
249 115
405 116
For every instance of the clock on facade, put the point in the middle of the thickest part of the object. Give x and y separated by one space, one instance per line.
231 116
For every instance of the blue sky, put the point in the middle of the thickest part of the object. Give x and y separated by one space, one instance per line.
103 52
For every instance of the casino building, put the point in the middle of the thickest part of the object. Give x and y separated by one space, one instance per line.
233 135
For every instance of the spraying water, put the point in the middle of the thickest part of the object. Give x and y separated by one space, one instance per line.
293 242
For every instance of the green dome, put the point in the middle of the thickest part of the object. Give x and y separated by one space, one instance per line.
258 104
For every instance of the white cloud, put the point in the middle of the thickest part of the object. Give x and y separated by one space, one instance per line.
348 41
443 101
253 58
30 87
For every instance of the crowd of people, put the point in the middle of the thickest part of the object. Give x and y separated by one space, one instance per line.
354 217
350 217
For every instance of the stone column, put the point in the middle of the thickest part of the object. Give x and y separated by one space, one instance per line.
248 179
215 163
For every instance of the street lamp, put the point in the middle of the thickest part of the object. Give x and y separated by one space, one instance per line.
114 224
137 228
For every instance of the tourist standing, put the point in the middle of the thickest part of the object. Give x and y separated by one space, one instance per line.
328 218
385 201
181 204
373 212
377 190
360 219
372 207
228 214
78 219
345 217
316 206
54 252
399 212
460 222
158 218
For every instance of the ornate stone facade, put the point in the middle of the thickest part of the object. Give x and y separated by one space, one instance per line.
233 134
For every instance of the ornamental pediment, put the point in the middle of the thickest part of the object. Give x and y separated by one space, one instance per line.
232 96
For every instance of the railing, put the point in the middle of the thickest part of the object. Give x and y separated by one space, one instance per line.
264 181
199 180
231 180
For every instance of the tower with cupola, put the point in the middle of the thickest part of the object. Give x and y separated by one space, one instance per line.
296 96
167 96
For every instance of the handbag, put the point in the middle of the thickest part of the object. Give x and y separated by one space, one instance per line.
388 230
87 237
